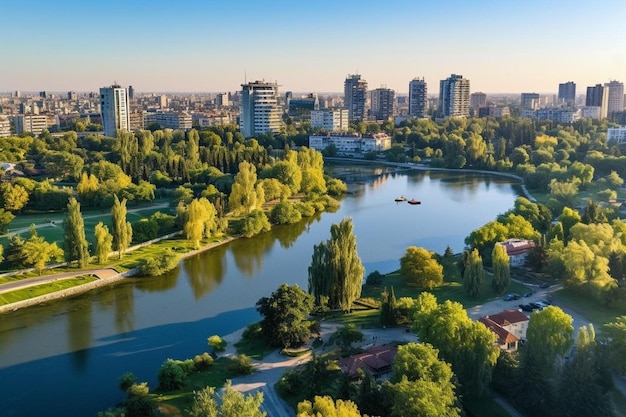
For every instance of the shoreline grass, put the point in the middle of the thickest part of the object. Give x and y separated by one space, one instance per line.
43 289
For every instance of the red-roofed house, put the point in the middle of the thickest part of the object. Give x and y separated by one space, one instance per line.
509 327
517 249
376 360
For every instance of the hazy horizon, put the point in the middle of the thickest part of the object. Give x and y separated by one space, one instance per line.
215 46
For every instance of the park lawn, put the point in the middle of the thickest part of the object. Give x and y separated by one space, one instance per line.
52 223
363 319
452 289
43 289
588 306
176 403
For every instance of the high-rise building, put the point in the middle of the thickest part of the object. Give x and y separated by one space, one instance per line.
5 126
417 98
71 95
454 96
478 100
131 92
529 101
259 111
383 103
355 97
567 93
597 98
114 110
615 100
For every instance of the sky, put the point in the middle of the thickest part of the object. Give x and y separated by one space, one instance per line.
501 46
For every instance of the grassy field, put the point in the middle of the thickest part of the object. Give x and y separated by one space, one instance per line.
588 306
50 225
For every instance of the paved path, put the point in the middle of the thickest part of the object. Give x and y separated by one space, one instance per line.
104 273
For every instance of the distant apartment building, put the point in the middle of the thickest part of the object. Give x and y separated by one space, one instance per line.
35 123
383 101
591 112
454 96
71 95
169 120
114 110
355 97
615 99
494 111
136 120
350 143
418 103
258 109
299 109
5 126
330 120
222 100
529 101
598 97
557 115
616 134
567 93
478 100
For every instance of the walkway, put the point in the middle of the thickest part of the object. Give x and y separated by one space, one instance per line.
104 273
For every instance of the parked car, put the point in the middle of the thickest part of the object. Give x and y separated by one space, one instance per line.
527 307
510 297
527 294
537 306
545 285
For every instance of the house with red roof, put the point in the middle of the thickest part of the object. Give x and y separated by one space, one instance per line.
509 326
376 360
517 249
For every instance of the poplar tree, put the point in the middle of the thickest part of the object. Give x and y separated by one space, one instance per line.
474 274
501 269
336 270
122 230
75 242
104 242
243 196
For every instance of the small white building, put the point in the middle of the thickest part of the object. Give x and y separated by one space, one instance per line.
517 249
351 142
616 134
330 120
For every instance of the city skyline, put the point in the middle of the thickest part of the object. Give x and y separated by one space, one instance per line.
211 46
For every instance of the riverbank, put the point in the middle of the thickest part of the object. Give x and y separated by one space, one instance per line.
102 281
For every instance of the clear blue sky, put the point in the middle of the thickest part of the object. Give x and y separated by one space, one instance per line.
208 45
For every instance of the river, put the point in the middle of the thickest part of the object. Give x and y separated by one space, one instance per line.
65 358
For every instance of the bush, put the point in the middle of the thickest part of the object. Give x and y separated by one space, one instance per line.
288 384
188 366
144 230
160 263
375 278
217 343
306 209
255 223
138 390
336 187
171 375
241 365
141 406
203 361
126 381
253 331
285 213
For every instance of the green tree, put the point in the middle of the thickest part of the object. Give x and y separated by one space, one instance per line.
336 270
349 334
388 308
200 220
288 173
122 230
13 197
243 196
474 274
285 212
568 218
285 315
217 343
550 335
616 338
464 343
419 267
501 270
171 375
36 252
74 240
327 407
230 403
6 217
104 242
580 390
423 398
255 223
160 263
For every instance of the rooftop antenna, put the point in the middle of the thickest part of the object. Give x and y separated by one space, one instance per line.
245 76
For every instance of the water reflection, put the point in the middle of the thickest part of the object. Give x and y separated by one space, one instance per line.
79 332
248 254
207 271
124 309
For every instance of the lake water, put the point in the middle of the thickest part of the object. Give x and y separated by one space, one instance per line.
65 358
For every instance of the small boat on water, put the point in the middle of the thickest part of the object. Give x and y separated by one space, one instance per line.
414 201
401 198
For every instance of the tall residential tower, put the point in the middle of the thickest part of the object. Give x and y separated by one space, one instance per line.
417 98
355 97
259 111
454 96
114 110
